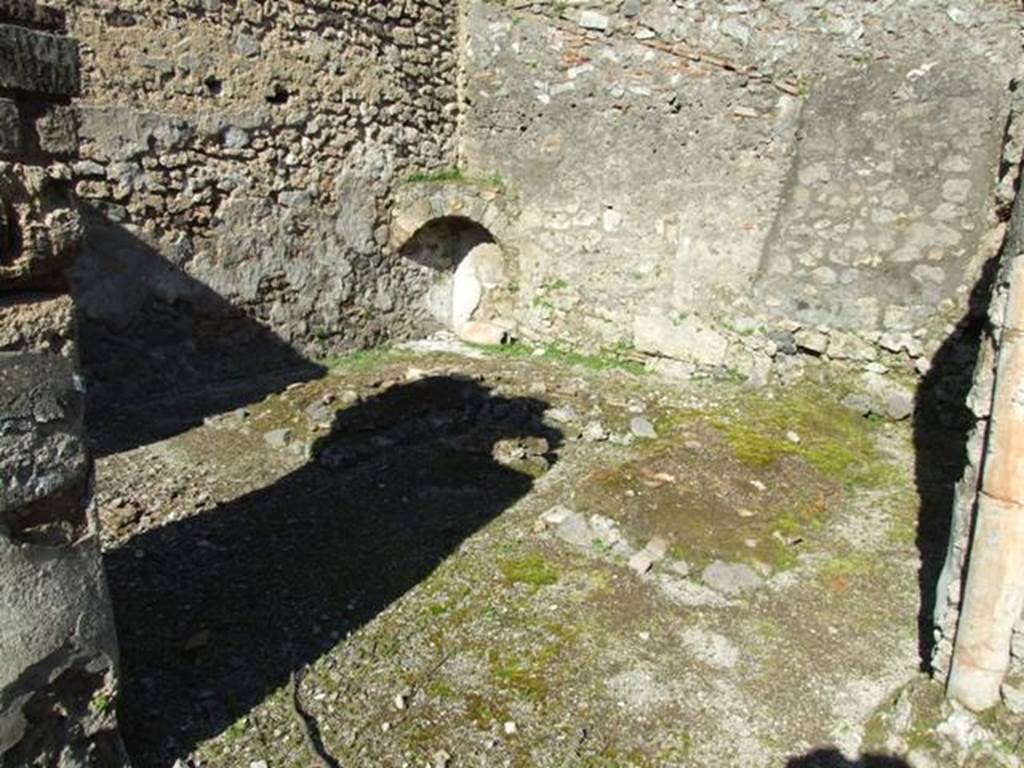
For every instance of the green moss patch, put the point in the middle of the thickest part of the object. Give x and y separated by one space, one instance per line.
751 479
530 569
833 439
365 359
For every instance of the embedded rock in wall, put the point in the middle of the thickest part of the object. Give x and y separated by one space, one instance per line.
41 231
38 62
58 650
243 158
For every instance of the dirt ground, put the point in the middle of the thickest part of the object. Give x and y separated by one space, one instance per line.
524 558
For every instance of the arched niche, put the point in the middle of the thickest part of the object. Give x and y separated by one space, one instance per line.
469 272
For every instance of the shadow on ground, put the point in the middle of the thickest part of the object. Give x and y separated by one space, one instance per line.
215 611
942 424
159 349
833 758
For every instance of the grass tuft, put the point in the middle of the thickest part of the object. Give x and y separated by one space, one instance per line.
492 180
433 177
362 359
609 360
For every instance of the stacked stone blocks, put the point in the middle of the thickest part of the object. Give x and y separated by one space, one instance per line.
58 651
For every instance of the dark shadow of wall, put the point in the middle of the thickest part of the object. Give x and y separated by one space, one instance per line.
833 758
279 576
161 351
942 424
943 419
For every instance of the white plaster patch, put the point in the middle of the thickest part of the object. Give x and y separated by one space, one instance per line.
466 293
611 220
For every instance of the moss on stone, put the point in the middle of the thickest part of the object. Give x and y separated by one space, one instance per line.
838 572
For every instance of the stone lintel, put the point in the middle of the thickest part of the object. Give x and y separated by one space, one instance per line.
38 62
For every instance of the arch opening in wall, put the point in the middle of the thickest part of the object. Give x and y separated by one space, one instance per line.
468 277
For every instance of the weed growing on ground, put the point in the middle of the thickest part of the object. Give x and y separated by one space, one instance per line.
363 359
615 359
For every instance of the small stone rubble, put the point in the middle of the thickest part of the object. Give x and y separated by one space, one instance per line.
602 536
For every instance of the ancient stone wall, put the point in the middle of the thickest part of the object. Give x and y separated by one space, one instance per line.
58 651
238 163
727 183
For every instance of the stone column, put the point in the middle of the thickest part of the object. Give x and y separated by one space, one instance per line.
58 650
968 495
981 588
993 595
